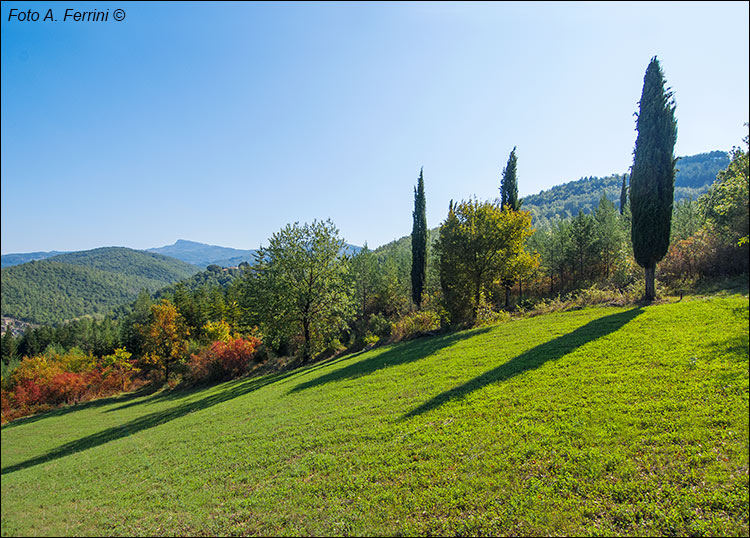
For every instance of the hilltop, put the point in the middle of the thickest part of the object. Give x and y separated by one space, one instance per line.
85 283
203 255
695 174
625 421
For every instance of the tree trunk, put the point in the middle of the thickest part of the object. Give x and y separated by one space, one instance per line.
507 297
477 297
650 286
306 348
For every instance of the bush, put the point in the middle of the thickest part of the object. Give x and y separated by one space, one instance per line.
222 360
414 325
487 316
57 378
379 326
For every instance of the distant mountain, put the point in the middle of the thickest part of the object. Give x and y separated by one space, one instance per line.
84 283
695 174
7 260
204 255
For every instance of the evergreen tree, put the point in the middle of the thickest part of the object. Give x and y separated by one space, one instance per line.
624 193
509 184
9 345
607 233
652 177
582 243
419 243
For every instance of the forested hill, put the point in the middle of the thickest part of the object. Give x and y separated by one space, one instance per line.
8 260
87 282
695 174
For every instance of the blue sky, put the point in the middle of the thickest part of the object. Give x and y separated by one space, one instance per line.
222 122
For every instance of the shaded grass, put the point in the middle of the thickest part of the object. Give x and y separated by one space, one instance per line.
601 421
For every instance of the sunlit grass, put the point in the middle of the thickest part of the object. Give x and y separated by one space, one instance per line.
602 421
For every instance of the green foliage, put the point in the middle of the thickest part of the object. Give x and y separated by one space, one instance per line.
300 288
686 220
726 204
415 324
582 243
624 193
509 184
652 178
84 283
551 425
695 173
419 243
479 244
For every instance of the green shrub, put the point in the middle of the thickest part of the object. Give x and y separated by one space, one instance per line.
415 324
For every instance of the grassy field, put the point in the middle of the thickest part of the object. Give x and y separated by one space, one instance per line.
602 421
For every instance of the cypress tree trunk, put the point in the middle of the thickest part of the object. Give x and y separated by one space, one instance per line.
650 294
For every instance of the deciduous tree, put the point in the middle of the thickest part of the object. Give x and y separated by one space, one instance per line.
301 285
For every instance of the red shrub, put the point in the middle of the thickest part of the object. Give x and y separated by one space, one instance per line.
28 393
223 360
234 356
66 387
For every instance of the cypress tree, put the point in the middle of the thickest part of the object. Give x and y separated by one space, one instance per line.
419 243
509 184
623 193
652 176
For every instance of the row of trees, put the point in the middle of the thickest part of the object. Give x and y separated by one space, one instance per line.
304 296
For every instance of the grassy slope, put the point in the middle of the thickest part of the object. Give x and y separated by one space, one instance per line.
598 421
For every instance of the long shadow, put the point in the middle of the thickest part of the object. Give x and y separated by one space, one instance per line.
402 354
233 390
533 358
296 368
123 397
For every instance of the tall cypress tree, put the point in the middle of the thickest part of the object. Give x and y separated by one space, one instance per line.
419 243
652 176
624 193
509 184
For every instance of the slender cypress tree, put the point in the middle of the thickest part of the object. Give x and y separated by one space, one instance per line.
624 193
652 176
419 243
509 184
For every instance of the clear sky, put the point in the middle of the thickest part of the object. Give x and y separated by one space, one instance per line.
222 122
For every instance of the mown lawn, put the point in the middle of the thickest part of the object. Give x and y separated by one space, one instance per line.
602 421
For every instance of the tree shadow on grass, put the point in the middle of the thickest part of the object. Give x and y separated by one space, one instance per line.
533 358
401 354
232 390
98 402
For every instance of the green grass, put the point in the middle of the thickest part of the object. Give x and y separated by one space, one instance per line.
602 421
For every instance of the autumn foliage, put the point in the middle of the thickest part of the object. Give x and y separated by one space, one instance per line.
223 360
53 379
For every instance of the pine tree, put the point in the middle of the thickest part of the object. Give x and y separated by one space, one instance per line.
652 177
509 184
419 243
